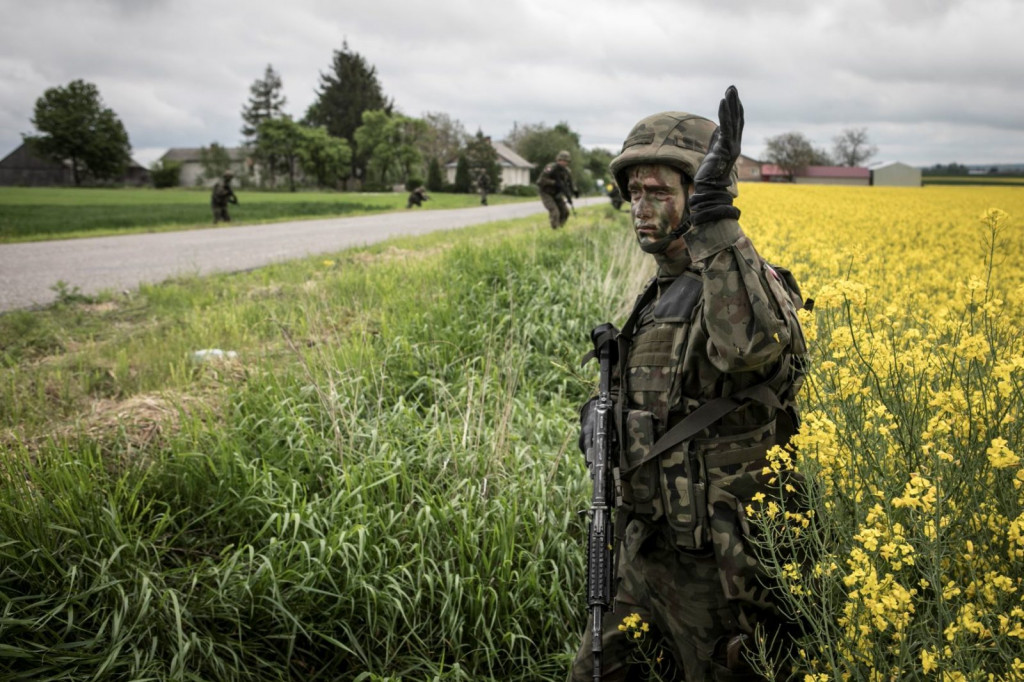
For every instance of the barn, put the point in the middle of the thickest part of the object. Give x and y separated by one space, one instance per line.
819 175
23 167
894 174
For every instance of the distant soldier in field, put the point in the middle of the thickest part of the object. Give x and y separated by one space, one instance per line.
221 196
417 197
555 187
615 195
483 185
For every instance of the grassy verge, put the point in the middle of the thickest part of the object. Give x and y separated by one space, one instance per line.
33 214
383 483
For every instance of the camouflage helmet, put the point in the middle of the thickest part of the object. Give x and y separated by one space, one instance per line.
228 174
672 138
563 156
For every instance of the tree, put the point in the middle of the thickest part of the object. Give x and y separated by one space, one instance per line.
947 169
165 173
389 144
350 88
792 152
539 145
435 178
280 139
482 157
852 147
596 161
265 102
77 128
214 160
322 156
444 139
463 181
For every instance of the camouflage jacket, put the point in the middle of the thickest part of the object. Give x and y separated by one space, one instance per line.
555 179
726 324
222 194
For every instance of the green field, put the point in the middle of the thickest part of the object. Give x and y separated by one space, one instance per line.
971 180
29 214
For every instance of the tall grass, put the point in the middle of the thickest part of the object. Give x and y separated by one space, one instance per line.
388 489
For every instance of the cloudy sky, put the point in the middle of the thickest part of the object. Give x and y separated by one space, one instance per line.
933 81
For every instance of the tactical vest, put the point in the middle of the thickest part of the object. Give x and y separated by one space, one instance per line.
671 456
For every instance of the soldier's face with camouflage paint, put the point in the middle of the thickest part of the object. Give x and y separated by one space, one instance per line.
657 198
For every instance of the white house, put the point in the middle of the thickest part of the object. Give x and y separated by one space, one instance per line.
894 174
515 170
192 168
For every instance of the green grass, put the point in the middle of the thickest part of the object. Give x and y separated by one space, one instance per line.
30 214
383 485
972 180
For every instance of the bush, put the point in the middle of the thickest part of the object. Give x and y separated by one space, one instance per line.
165 174
413 183
435 178
520 190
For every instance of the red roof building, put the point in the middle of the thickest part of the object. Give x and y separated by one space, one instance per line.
819 175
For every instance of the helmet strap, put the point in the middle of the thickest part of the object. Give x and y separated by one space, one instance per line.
684 223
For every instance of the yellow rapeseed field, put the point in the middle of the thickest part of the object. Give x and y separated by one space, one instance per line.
907 561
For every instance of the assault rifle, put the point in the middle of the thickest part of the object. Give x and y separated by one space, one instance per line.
564 190
600 547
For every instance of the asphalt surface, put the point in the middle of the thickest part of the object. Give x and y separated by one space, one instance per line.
29 271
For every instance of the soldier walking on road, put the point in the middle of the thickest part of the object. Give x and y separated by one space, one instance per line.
555 186
715 337
221 196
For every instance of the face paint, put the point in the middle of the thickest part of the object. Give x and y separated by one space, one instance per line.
657 205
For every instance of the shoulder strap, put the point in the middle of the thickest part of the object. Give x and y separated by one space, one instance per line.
711 412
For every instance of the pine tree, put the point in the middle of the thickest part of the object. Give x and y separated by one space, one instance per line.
435 179
483 158
346 91
265 102
463 181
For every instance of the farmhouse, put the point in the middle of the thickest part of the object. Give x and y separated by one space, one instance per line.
24 168
515 170
894 174
819 175
192 172
748 169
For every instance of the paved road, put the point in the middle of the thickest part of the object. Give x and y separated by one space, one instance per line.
29 271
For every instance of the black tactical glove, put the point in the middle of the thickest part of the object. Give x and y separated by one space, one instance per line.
711 199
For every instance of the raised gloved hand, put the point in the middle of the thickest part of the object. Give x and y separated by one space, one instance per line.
711 198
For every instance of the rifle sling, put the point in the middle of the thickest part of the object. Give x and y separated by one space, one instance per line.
708 414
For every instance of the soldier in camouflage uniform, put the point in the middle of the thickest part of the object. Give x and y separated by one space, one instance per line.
417 197
716 331
483 185
221 196
553 185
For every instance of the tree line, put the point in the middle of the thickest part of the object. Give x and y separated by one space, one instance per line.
351 132
792 152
